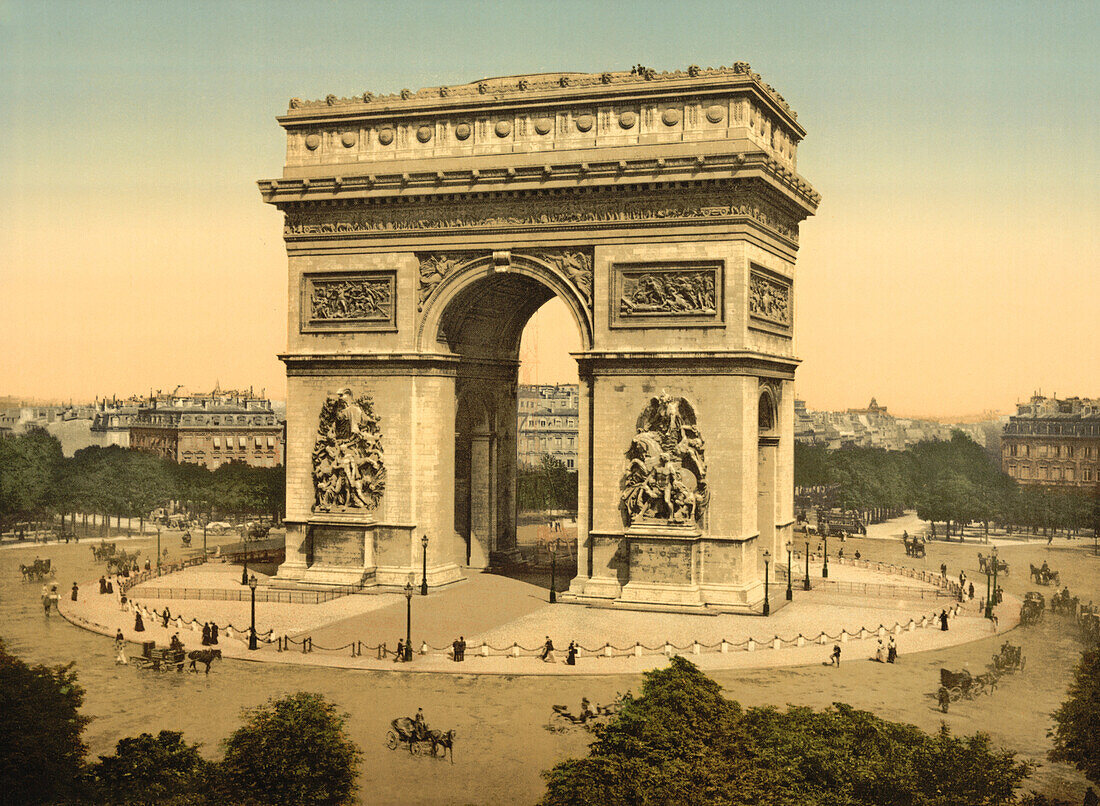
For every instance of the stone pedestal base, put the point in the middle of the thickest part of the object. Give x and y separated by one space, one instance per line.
663 566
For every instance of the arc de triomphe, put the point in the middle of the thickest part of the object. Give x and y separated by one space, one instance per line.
424 229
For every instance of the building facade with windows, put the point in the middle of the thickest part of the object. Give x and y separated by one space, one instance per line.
210 429
547 423
1053 442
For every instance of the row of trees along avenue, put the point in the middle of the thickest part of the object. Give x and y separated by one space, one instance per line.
38 484
955 482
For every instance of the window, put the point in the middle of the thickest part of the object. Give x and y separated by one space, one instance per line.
1069 451
270 441
242 441
259 442
217 443
1088 474
569 463
1069 474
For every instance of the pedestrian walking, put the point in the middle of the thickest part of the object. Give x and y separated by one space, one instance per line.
880 653
971 591
547 651
836 655
102 585
462 647
399 655
892 650
213 633
165 616
75 592
571 657
943 570
943 620
206 634
139 624
944 698
120 649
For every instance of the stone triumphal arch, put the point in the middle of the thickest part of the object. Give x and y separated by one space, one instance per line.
424 229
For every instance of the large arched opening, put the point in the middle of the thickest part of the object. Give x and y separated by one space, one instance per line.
479 313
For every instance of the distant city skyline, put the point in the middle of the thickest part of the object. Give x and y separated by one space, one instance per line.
949 269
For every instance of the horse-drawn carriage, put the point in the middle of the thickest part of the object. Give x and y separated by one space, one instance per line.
985 565
103 551
914 546
957 684
121 561
840 522
254 530
159 659
38 570
1043 575
1031 611
419 738
1009 660
1063 604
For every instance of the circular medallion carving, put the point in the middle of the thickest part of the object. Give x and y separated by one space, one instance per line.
715 114
544 125
462 131
312 141
627 120
585 123
503 128
349 139
670 117
385 137
424 134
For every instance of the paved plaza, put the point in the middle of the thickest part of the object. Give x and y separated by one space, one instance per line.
505 623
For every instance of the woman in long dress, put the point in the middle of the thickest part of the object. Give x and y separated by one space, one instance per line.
139 624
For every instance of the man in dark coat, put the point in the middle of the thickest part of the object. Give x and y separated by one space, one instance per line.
943 620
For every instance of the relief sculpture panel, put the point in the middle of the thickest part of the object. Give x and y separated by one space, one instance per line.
359 301
348 472
770 299
665 481
666 295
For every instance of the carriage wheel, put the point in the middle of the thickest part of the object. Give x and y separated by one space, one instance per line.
416 748
956 694
391 740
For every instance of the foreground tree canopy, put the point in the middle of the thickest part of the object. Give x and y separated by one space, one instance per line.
41 752
682 742
1076 731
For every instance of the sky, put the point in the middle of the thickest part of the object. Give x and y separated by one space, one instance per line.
951 268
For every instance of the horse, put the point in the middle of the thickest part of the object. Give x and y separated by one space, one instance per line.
444 740
206 656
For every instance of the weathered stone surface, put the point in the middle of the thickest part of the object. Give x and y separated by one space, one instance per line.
662 209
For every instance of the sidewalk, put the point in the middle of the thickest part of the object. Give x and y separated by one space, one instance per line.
500 612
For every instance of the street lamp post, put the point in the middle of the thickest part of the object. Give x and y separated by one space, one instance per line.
244 542
995 600
989 574
424 578
204 541
806 583
790 572
158 548
825 560
408 621
553 571
252 629
767 605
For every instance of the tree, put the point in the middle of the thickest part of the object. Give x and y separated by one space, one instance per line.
30 468
41 751
149 769
292 750
682 742
1076 732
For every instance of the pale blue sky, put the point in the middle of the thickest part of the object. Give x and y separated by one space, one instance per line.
957 147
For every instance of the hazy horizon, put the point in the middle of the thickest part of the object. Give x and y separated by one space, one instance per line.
949 270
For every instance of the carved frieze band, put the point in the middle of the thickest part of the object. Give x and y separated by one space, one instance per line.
740 202
574 265
770 298
349 301
673 294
